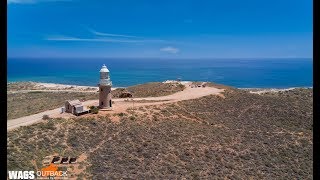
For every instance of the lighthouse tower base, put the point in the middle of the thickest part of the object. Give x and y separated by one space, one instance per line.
106 109
105 102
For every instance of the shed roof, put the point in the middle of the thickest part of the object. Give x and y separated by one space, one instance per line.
74 102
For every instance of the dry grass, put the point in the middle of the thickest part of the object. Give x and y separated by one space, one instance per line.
153 89
53 137
241 136
23 104
16 86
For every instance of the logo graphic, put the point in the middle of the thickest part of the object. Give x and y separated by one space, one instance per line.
50 171
21 174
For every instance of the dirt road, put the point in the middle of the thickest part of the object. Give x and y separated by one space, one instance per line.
28 120
121 104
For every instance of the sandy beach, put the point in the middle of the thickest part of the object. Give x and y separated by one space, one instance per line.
39 86
64 86
271 90
55 86
30 85
175 81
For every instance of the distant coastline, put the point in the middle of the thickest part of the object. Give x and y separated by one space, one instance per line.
239 73
58 86
272 90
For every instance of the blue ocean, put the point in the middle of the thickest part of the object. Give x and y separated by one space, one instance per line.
241 73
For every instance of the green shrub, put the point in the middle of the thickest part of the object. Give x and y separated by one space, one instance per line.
121 114
94 109
181 86
45 117
35 92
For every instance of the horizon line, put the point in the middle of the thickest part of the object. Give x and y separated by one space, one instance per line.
30 57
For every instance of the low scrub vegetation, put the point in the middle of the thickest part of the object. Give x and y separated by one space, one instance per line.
16 86
94 109
241 136
45 117
152 89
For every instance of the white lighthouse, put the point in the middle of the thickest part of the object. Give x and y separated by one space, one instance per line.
105 84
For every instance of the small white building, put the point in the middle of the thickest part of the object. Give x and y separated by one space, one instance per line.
75 107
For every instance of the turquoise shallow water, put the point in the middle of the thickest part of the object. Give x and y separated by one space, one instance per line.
241 73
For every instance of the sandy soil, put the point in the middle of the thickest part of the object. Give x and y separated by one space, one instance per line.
121 105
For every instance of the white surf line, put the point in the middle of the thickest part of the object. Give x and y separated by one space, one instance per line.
265 90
